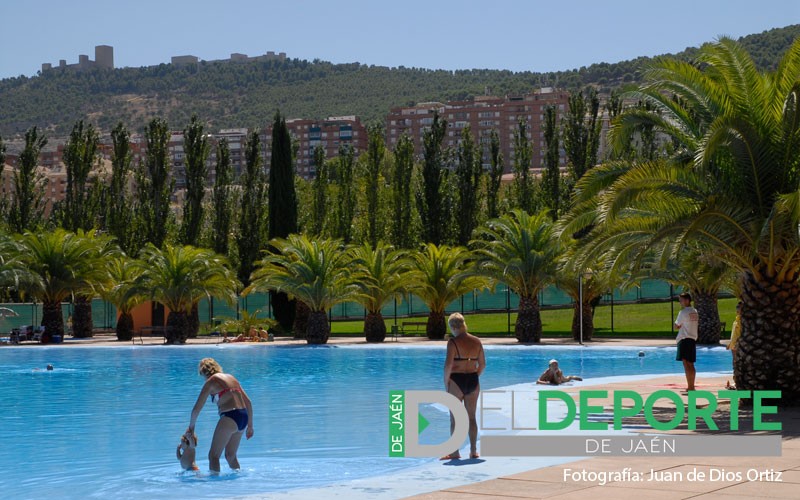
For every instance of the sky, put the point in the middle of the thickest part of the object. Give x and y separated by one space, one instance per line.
516 35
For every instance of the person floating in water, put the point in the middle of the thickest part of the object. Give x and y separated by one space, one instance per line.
554 376
235 413
463 365
187 449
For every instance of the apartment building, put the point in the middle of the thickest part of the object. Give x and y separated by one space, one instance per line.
329 133
482 115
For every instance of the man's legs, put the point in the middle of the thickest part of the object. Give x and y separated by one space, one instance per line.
688 368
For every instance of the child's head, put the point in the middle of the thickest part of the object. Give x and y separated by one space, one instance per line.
189 440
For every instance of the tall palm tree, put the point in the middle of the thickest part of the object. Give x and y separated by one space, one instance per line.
384 275
179 276
732 185
318 273
121 292
60 264
440 275
520 250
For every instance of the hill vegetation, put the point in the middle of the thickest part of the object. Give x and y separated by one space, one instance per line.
226 94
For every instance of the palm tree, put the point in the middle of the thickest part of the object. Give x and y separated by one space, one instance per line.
179 276
384 275
318 273
82 322
60 264
732 185
440 275
520 250
585 284
121 292
11 269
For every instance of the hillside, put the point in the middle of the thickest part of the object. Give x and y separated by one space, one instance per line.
229 94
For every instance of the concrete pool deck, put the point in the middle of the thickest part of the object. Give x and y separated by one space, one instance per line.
552 482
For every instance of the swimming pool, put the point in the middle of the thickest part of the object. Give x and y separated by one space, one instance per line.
106 421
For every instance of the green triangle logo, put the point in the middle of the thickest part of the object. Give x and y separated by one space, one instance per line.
422 423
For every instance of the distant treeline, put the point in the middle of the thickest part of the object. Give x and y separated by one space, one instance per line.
225 94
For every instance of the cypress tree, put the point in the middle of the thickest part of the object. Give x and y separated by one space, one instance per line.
282 207
375 156
120 218
551 177
80 155
346 203
523 181
222 199
4 200
582 132
495 175
401 192
196 150
27 205
251 222
320 192
431 206
155 184
468 180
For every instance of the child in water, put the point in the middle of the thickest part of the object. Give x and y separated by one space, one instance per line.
554 376
186 451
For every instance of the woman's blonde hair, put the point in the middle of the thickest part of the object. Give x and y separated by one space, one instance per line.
209 367
456 322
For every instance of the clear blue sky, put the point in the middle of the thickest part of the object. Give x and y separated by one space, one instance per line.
500 34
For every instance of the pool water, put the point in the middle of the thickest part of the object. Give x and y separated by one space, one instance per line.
106 421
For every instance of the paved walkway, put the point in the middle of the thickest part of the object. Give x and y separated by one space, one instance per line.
769 477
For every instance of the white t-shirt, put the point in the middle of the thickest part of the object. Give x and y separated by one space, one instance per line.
687 323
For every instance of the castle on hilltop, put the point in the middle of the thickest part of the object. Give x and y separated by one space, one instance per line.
103 58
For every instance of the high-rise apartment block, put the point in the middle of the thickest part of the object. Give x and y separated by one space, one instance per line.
482 115
329 133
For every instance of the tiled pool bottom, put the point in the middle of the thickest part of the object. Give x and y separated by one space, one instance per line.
106 421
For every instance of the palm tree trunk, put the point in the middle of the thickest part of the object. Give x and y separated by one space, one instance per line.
374 327
528 327
82 325
300 326
318 328
768 352
194 321
52 319
588 320
709 325
436 327
124 327
283 309
177 327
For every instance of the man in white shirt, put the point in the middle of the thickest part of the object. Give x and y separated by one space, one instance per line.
686 323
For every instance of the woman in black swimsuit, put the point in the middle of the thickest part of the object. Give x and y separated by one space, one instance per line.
462 367
235 413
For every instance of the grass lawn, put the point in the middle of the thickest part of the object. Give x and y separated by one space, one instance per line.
630 320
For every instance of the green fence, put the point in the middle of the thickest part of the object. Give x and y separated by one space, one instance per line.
501 299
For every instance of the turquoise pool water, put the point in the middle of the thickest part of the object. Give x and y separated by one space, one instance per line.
106 421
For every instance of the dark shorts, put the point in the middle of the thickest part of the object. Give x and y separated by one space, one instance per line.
238 415
687 350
